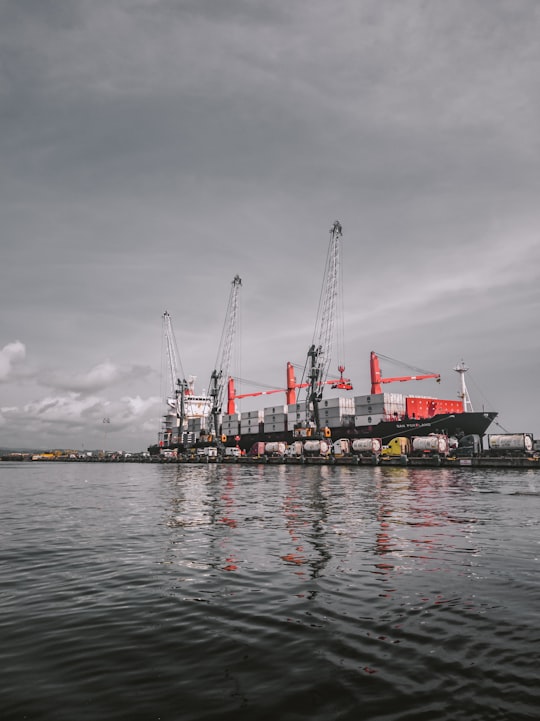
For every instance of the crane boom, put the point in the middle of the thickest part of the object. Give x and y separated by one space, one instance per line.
171 349
221 370
320 351
377 379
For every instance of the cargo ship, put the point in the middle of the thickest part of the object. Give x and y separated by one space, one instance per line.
195 421
377 415
381 415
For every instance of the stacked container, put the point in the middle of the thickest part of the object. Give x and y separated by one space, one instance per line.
372 409
231 424
275 419
195 425
250 420
296 413
336 412
425 407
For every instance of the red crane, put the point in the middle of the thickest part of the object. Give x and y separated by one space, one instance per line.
376 378
290 390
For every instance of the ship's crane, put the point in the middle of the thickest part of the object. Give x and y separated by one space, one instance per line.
377 379
319 353
175 392
290 390
220 374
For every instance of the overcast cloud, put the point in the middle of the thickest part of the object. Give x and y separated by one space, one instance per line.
153 149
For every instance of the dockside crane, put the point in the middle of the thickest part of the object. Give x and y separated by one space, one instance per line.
220 374
320 352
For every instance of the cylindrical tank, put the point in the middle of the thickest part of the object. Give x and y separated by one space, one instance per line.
511 441
434 443
320 447
367 445
275 447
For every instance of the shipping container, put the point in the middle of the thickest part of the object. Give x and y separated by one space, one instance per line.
276 410
248 415
418 407
368 420
274 427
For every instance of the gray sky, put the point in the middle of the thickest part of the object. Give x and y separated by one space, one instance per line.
152 149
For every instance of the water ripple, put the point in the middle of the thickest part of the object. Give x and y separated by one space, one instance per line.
207 593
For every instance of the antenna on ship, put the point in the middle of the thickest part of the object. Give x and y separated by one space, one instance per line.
461 368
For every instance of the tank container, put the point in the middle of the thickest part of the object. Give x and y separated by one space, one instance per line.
294 449
320 447
275 448
435 443
511 441
367 445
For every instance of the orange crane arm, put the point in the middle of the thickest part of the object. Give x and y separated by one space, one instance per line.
377 379
292 385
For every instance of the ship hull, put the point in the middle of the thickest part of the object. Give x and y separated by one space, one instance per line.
457 425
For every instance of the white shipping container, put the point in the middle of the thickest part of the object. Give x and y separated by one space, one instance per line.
230 430
296 417
275 410
342 422
246 427
274 427
337 403
252 414
297 407
369 400
272 418
368 420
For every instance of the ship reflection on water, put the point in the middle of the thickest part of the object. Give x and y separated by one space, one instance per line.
260 592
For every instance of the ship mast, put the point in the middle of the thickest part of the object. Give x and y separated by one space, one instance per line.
461 368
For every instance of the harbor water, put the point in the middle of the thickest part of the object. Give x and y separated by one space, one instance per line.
213 592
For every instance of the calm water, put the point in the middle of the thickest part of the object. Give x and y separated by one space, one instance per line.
230 592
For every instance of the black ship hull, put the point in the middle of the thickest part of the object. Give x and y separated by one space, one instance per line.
458 425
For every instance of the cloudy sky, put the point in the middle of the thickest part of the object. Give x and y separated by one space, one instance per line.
150 150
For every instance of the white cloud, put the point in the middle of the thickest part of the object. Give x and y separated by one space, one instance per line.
101 376
10 355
